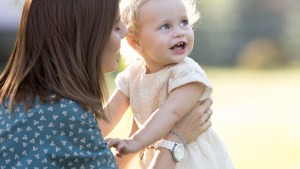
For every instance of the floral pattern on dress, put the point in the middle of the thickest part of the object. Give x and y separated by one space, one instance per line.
58 134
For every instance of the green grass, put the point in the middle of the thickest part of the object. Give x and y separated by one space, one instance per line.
257 114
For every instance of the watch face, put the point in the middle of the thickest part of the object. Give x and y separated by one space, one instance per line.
178 152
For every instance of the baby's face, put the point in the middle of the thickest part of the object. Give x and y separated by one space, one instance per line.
165 36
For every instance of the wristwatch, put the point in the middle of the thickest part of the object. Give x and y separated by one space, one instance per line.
177 150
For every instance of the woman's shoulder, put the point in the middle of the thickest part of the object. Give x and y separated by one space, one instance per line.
62 127
62 104
66 109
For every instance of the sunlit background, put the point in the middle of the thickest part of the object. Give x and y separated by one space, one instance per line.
250 51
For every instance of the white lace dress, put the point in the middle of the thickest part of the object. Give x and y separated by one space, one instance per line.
147 92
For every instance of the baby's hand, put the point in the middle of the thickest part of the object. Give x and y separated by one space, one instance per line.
123 146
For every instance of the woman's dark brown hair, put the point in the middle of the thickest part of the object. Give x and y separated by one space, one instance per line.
58 51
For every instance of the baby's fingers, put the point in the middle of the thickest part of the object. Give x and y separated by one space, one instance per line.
113 142
118 144
121 146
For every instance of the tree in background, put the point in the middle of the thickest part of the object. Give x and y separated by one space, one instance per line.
252 33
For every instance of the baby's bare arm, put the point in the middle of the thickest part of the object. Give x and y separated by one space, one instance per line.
117 105
178 104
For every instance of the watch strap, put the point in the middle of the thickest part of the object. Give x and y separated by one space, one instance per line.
177 150
176 134
165 144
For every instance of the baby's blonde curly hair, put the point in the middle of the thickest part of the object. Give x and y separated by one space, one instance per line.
130 17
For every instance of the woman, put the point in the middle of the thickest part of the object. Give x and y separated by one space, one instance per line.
52 91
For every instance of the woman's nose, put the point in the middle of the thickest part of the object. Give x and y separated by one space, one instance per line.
124 30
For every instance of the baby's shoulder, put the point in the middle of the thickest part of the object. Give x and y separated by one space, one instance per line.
187 65
132 70
135 66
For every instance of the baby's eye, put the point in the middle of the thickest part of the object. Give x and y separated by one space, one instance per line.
165 26
184 23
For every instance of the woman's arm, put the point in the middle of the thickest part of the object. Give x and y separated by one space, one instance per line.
190 127
178 104
162 158
131 160
117 105
196 122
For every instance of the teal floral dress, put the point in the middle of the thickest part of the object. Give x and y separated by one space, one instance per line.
52 135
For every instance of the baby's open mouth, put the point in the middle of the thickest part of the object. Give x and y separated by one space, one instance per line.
179 46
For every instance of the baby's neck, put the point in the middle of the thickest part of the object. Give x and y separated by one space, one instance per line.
148 70
155 69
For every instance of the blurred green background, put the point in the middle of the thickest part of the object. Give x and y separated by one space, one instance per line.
250 51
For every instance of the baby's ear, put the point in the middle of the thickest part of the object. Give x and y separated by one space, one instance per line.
133 42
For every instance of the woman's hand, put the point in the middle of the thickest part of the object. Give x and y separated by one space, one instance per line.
196 122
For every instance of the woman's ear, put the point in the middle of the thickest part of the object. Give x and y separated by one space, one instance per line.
133 42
